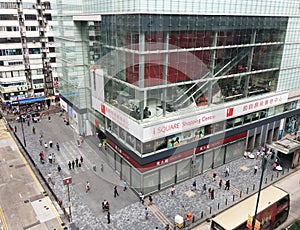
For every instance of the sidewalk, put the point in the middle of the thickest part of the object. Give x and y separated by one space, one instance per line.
126 211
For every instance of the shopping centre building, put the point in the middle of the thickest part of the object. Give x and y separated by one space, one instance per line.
180 87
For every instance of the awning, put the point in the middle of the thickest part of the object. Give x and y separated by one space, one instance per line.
30 100
285 145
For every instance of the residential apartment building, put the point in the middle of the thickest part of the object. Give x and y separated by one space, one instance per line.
179 87
27 52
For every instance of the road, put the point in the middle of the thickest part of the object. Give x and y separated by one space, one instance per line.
291 184
23 203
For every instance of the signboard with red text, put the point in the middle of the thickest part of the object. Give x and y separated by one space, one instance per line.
162 126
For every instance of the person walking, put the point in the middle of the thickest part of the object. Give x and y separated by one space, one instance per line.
220 183
214 176
204 189
172 190
150 199
212 194
142 197
45 145
15 129
70 165
81 159
58 168
50 143
227 185
124 185
33 129
76 161
146 213
57 147
116 191
194 185
87 187
227 171
50 158
255 169
209 193
73 164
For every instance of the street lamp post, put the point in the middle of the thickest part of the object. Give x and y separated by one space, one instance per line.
67 181
264 163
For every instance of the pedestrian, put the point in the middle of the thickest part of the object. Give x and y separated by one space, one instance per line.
81 159
28 122
227 171
204 189
141 195
50 158
57 147
42 155
108 217
41 141
41 134
209 193
78 143
50 143
87 187
150 199
76 161
58 168
220 183
212 194
45 145
70 165
194 185
227 185
172 190
15 129
167 227
124 185
255 169
73 164
100 145
116 191
49 118
214 176
146 213
33 129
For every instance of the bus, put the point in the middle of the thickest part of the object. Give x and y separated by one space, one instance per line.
273 210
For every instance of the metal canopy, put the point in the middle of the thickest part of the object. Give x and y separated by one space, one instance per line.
285 145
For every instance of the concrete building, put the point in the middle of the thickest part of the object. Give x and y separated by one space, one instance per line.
27 52
179 87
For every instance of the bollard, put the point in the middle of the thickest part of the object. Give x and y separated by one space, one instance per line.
233 198
226 201
253 186
266 181
210 210
218 206
201 214
247 190
277 174
241 192
193 220
272 177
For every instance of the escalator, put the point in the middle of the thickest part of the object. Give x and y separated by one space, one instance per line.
197 89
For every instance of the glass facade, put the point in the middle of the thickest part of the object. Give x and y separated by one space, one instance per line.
162 64
171 60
